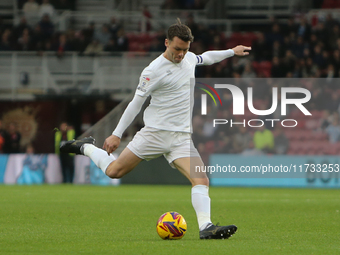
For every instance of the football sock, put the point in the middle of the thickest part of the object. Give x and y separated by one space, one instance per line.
98 156
201 202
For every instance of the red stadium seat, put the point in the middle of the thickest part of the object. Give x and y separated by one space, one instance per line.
231 44
236 37
256 66
333 148
312 124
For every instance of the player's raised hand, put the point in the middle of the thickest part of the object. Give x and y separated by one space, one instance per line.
240 50
111 143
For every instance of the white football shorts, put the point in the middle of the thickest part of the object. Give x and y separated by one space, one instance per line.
150 143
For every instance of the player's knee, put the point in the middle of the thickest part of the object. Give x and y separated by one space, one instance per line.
114 172
200 181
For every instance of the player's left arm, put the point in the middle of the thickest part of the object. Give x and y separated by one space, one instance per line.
215 56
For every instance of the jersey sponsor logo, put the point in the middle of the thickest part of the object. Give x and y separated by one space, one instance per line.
145 81
141 89
144 84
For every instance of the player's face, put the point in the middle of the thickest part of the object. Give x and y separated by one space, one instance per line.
176 49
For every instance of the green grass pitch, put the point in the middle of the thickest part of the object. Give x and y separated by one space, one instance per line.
70 219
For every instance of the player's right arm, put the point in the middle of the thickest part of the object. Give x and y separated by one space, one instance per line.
147 83
112 142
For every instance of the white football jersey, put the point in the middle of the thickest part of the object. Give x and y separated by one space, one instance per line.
168 84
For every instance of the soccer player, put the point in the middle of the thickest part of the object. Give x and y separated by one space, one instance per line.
167 121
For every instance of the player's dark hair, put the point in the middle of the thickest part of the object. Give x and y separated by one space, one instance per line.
180 30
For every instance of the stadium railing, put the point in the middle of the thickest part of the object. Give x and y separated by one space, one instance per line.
23 74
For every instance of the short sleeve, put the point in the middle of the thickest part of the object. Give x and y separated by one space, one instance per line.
148 82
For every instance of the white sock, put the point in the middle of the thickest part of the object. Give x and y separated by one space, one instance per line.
201 202
98 156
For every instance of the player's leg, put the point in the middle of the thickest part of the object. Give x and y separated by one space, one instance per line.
201 200
200 188
112 167
126 161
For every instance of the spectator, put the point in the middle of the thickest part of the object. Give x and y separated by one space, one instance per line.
197 124
310 69
318 58
299 65
94 48
62 45
218 71
264 140
122 40
298 47
71 40
224 144
304 29
333 131
251 150
325 120
65 133
275 35
217 43
322 33
103 35
46 8
242 139
111 46
278 49
336 62
330 72
190 22
313 41
33 168
38 38
333 102
114 26
30 7
330 22
12 141
289 61
248 72
5 44
88 32
208 129
261 48
334 35
80 43
281 141
2 25
19 29
278 70
46 26
25 42
290 27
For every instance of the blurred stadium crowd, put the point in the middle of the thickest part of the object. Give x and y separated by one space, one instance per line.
298 48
